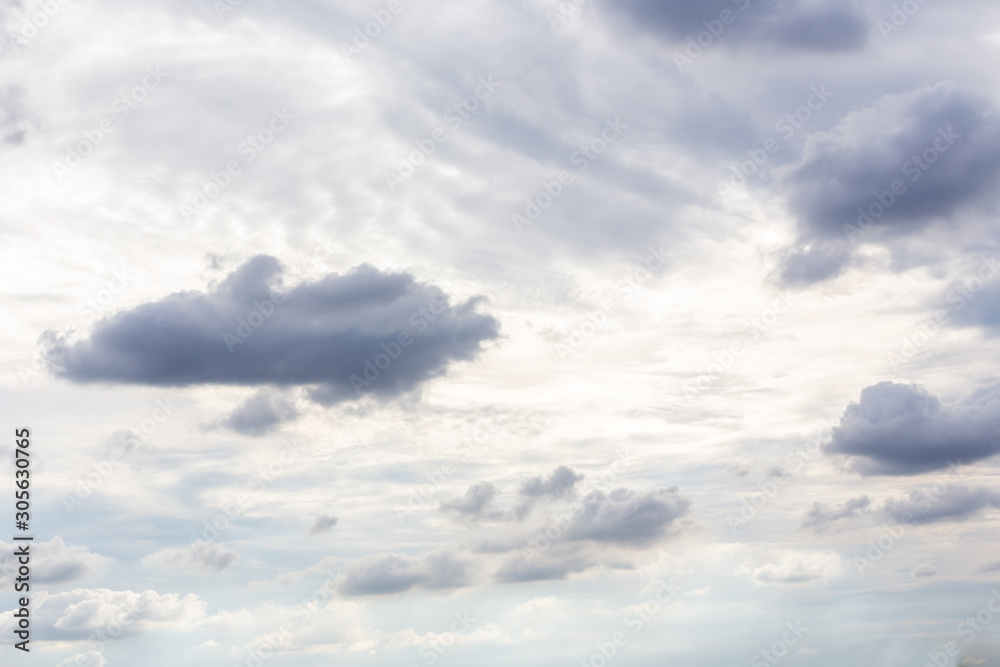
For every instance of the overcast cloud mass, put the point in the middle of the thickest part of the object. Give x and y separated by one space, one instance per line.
517 332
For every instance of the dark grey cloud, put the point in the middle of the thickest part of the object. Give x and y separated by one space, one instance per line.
344 336
262 413
821 516
392 573
806 25
322 524
560 484
626 517
954 503
476 503
898 429
939 146
556 563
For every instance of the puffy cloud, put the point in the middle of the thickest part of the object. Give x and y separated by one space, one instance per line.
560 483
558 562
323 524
80 613
476 503
53 562
363 332
392 573
626 517
955 502
798 569
921 571
943 152
806 25
821 516
200 556
262 413
898 429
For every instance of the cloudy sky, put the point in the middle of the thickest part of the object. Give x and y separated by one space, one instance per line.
593 332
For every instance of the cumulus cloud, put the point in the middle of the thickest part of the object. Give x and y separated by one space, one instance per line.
943 152
343 336
76 615
921 571
992 566
898 429
798 569
322 524
560 483
626 517
201 556
955 502
53 562
479 501
821 516
393 573
262 413
805 25
476 503
555 563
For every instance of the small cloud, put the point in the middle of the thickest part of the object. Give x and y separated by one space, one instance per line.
262 413
821 516
805 650
924 571
971 662
200 556
992 566
739 469
323 524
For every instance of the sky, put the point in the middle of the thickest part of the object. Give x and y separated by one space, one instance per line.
588 333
